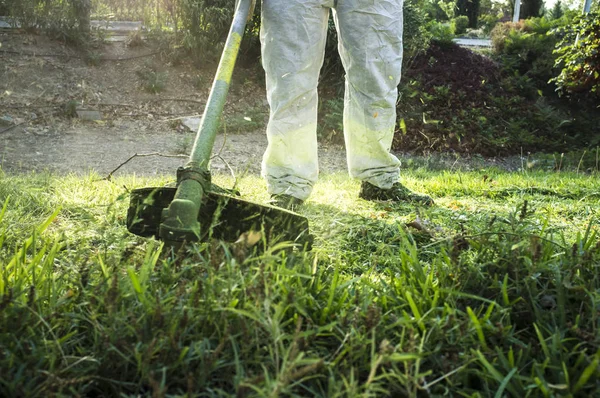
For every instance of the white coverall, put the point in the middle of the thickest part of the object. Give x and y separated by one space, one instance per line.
293 35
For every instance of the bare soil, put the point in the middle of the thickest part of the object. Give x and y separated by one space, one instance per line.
37 133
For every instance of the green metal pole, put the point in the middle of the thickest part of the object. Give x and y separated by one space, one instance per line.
180 220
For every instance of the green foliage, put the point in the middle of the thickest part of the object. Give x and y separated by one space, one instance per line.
330 127
557 10
448 7
58 17
461 24
152 79
488 22
70 108
205 24
578 56
416 37
525 48
66 20
93 58
452 99
495 291
442 32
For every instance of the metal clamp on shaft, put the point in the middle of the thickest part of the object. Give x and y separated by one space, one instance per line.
202 176
180 219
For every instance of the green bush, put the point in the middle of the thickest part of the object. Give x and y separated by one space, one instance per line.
525 48
461 24
578 56
57 18
152 79
488 22
442 32
416 36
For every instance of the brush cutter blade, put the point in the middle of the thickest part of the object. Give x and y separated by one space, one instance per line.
222 217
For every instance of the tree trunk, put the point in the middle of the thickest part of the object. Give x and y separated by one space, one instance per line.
470 8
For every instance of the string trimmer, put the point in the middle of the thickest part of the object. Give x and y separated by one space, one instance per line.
195 210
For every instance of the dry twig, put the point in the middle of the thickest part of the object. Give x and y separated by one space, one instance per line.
140 155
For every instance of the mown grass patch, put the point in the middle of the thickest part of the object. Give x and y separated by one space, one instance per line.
492 292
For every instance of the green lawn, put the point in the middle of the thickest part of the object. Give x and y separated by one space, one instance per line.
495 291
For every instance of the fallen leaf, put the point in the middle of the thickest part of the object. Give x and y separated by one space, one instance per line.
249 238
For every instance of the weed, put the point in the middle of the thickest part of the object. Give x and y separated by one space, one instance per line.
152 80
135 39
199 81
93 58
70 108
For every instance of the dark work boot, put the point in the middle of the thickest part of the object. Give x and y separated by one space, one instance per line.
284 201
397 193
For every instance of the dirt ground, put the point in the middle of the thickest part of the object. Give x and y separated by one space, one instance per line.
38 133
35 89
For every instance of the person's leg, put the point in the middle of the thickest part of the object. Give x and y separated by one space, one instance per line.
370 45
293 35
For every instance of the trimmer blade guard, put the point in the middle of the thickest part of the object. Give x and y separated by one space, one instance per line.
222 216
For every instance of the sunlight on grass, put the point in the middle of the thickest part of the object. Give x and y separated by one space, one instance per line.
494 289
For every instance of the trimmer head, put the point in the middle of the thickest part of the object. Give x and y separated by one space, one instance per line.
221 216
194 211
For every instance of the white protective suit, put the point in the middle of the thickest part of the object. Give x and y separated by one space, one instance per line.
293 36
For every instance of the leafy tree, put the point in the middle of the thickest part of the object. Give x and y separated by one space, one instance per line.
578 53
557 10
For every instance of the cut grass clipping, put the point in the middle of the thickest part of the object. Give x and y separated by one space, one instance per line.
493 292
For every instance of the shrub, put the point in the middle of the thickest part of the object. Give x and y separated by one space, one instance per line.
416 36
152 79
461 24
525 48
579 57
135 39
442 32
62 19
488 22
453 99
557 10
